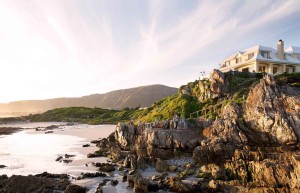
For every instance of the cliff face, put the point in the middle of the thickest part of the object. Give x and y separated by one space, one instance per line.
257 143
253 146
268 111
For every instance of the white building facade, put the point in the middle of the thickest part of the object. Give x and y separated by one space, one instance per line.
264 59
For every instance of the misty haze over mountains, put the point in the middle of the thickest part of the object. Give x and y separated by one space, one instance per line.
142 96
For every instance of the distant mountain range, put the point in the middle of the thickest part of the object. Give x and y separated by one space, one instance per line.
142 96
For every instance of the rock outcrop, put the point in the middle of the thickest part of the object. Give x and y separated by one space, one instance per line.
41 183
256 144
155 143
265 111
251 146
217 86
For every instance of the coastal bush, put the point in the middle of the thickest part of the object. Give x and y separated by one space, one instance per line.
292 79
182 105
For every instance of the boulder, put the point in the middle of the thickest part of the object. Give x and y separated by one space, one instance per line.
93 175
105 167
176 185
141 163
29 184
140 184
72 188
59 158
114 182
161 166
49 175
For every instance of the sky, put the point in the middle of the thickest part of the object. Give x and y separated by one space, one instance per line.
72 48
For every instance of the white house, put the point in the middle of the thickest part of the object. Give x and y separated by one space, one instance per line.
264 59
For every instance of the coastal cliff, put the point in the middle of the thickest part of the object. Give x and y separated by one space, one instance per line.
246 138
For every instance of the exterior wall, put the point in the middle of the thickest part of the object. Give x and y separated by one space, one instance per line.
244 58
269 67
253 66
298 68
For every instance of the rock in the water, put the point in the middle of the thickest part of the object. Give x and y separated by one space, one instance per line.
68 156
140 184
114 182
95 141
161 165
49 175
59 158
176 185
29 184
105 167
72 188
141 163
93 175
2 166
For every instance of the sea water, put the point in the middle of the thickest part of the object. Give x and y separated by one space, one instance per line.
33 152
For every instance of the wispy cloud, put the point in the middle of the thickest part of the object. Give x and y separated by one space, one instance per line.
72 48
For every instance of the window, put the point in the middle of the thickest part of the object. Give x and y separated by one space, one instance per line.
287 70
265 54
294 70
250 56
245 70
238 60
262 69
227 63
275 70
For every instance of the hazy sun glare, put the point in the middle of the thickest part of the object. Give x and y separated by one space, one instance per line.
74 48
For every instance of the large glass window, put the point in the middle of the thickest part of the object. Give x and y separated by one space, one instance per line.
275 69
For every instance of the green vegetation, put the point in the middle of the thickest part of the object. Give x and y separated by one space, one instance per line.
239 84
182 105
288 79
83 115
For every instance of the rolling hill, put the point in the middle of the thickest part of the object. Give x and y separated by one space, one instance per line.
142 96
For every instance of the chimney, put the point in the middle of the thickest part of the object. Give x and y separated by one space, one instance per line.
280 50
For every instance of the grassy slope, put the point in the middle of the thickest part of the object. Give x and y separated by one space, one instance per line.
183 105
83 115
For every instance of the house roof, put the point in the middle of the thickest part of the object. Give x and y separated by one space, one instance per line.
293 49
273 54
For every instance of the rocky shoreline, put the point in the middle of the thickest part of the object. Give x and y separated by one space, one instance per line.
250 147
44 182
9 130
